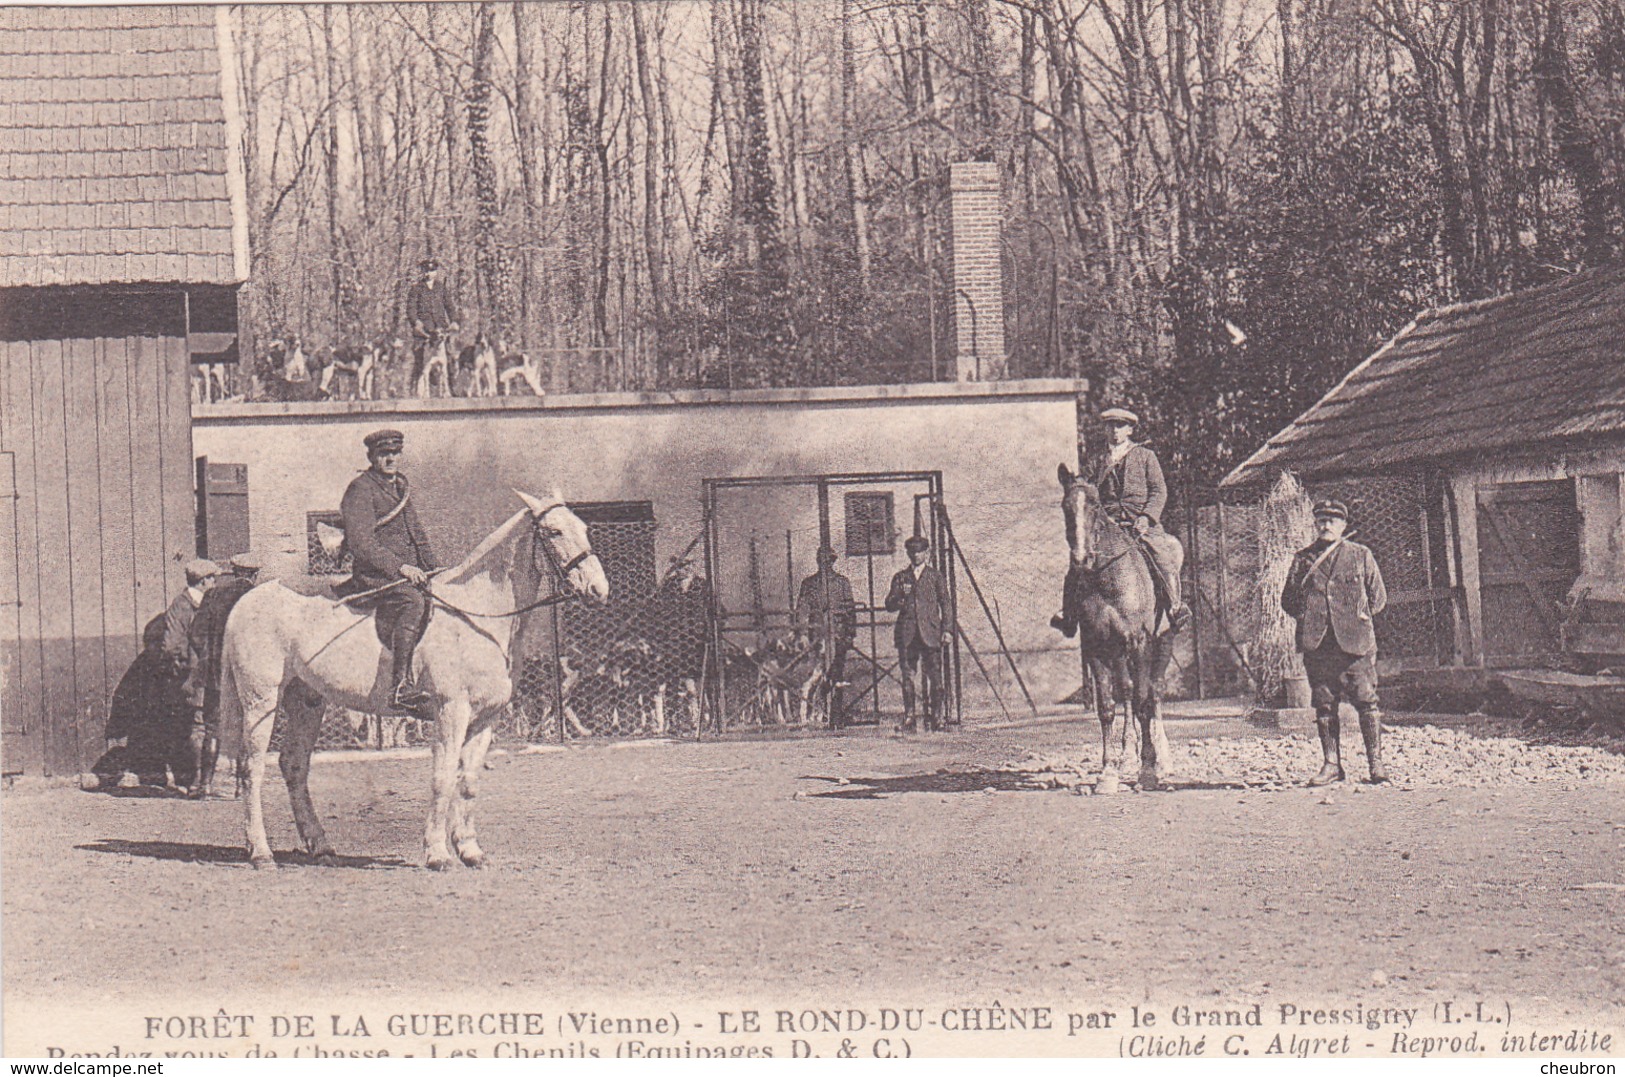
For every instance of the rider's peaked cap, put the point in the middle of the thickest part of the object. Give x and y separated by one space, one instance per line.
1331 508
428 264
384 441
917 542
1119 415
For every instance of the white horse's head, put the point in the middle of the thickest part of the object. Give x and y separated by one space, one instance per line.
563 536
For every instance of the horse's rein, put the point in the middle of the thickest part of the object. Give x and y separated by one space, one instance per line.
561 574
1115 528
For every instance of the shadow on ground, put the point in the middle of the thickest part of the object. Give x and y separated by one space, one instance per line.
956 781
232 855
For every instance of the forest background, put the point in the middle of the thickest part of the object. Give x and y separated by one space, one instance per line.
1214 208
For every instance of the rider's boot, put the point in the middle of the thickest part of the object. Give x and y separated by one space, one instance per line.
406 695
1332 769
1371 731
1179 614
1063 626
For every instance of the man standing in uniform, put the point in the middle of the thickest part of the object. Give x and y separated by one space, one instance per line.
826 612
382 531
208 634
925 622
1333 592
177 650
430 312
1133 491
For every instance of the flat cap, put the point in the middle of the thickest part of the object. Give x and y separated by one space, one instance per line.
245 563
1119 415
827 553
1331 508
201 569
428 264
916 542
391 440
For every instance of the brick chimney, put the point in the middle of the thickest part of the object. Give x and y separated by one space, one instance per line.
978 272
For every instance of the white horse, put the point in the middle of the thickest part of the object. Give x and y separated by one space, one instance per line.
281 646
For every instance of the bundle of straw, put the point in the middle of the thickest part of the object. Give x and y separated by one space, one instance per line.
1286 524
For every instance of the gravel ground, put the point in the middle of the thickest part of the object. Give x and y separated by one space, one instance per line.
815 871
1492 753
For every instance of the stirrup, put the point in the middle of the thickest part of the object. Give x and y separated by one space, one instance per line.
407 698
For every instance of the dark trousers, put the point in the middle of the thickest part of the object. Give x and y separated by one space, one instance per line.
915 653
1335 676
405 611
834 674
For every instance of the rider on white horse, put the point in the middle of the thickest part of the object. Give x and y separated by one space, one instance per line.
1132 489
391 551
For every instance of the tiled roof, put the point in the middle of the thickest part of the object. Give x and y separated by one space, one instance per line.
113 144
1543 365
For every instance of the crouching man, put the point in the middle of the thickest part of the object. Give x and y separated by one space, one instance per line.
1334 591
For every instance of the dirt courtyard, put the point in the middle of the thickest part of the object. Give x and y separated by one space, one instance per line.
813 868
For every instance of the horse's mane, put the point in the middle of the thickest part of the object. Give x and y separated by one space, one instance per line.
1084 496
494 542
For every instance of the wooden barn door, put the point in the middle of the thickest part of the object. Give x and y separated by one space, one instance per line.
17 711
1528 557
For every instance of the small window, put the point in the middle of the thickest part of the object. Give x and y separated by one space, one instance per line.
321 561
869 524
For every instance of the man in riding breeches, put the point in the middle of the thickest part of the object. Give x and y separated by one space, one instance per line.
1333 591
430 312
1133 491
382 531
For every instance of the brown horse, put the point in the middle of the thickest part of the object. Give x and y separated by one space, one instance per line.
1110 594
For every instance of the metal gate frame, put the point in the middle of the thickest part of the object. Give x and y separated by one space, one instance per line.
927 517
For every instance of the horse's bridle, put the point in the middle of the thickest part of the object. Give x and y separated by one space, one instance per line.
547 532
1099 566
561 573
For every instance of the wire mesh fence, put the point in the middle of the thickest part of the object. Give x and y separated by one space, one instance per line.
630 667
1397 516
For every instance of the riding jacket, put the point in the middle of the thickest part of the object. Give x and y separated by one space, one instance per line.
1336 597
429 307
1134 486
382 530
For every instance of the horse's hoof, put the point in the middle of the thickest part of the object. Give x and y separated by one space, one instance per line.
473 860
1149 781
263 863
439 864
327 858
1107 785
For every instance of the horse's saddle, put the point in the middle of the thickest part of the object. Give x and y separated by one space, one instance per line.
339 589
1072 594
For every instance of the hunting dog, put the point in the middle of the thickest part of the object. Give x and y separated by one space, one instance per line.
479 360
790 676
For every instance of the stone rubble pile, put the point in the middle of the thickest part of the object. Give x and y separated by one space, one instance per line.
1490 754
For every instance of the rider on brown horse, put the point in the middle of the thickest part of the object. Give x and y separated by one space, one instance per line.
1132 489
